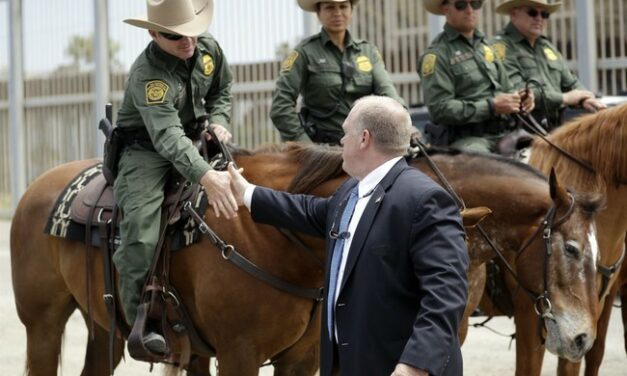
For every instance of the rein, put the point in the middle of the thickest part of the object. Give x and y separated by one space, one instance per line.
531 124
229 253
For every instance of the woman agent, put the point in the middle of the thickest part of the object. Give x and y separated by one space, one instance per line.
331 70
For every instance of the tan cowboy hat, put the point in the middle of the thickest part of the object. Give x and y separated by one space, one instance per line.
507 6
184 17
310 5
434 6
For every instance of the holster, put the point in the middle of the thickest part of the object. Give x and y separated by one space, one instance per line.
437 134
308 126
112 149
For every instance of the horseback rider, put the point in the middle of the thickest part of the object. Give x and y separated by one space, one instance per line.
466 89
530 56
178 81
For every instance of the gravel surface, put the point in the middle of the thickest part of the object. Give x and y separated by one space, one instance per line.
485 353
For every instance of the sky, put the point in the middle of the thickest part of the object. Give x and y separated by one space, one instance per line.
248 30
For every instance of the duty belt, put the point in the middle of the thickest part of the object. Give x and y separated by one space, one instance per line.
491 127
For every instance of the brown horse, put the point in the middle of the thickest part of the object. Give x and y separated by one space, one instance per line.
601 141
247 321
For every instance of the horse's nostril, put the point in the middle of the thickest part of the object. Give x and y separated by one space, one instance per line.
580 341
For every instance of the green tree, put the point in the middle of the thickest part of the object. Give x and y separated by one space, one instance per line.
81 50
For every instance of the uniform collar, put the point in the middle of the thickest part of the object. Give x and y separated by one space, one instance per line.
161 58
453 34
349 42
516 36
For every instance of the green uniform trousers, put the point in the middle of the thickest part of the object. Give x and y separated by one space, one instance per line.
485 144
138 191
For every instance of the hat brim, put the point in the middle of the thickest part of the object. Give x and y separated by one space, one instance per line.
508 6
310 5
195 27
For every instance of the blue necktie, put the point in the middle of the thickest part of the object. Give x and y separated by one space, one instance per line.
337 256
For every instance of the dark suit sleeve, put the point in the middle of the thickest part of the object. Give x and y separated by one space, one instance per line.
440 260
296 212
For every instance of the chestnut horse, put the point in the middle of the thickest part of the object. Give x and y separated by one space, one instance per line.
601 141
247 321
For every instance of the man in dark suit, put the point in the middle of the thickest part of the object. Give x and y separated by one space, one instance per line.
396 283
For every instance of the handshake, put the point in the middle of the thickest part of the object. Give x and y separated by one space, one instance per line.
225 190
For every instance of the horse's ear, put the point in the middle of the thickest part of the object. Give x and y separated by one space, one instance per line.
559 195
553 184
472 216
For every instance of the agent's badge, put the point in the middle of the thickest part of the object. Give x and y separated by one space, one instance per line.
156 91
287 64
428 64
363 63
500 49
207 64
488 54
550 54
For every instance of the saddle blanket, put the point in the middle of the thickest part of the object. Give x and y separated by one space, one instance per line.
61 224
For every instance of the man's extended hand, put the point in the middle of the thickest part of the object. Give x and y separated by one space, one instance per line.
238 183
217 184
405 370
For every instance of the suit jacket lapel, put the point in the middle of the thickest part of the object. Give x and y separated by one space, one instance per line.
367 218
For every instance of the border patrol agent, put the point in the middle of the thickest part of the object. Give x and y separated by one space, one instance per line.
528 55
181 76
331 70
466 89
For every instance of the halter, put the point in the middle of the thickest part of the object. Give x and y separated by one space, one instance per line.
542 302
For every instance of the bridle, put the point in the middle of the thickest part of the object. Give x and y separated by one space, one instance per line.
542 302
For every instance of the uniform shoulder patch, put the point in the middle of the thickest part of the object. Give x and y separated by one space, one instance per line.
428 64
548 52
363 63
488 54
287 64
156 91
207 65
500 49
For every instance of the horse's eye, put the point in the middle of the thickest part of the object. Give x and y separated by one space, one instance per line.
572 249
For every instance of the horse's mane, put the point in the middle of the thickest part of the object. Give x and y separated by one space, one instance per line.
599 139
317 163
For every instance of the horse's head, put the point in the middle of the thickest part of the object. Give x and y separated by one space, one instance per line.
544 233
556 266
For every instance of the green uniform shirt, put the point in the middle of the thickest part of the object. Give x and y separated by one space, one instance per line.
163 94
542 62
314 69
460 77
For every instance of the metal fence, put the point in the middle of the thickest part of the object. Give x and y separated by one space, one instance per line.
59 121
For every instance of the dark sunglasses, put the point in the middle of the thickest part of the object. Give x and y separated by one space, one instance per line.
462 5
169 36
533 13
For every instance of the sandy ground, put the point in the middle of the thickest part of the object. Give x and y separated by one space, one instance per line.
485 353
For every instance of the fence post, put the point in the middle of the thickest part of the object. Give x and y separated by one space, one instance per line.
16 104
436 23
101 68
586 44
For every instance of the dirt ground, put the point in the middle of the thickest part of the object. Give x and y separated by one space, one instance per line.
485 352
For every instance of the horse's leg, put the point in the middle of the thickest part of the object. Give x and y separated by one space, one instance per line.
97 353
237 361
44 333
529 349
198 366
476 286
303 358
